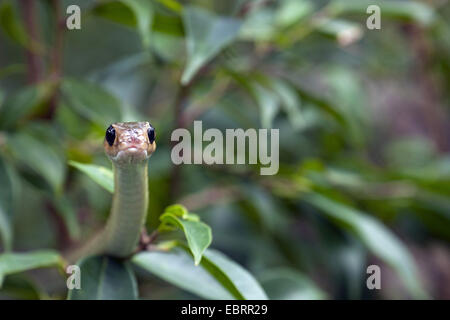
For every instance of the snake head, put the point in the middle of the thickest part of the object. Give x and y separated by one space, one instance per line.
129 142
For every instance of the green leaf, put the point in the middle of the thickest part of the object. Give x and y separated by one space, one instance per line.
266 24
68 213
11 263
173 5
216 277
292 11
197 233
12 69
290 102
115 11
6 200
289 284
321 103
170 25
22 103
121 13
378 239
207 34
407 10
11 24
177 268
259 25
347 92
21 287
6 231
101 175
221 266
180 211
143 12
40 156
92 101
269 104
105 278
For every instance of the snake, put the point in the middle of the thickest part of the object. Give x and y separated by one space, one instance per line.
129 146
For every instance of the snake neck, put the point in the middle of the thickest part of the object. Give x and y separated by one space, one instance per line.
128 211
120 236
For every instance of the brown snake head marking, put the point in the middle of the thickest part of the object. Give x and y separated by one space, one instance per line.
129 142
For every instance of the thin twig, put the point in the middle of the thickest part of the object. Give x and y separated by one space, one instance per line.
210 196
56 57
180 103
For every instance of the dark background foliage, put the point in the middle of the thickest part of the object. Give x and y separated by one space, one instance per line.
364 135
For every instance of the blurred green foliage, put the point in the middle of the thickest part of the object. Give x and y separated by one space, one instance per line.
364 143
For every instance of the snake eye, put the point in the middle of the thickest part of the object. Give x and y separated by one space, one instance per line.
110 135
151 134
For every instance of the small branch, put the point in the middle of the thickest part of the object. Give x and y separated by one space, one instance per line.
56 56
180 103
146 241
210 196
57 50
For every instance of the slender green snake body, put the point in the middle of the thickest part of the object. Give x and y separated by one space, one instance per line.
129 145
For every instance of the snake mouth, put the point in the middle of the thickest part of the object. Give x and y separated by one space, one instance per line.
131 154
132 148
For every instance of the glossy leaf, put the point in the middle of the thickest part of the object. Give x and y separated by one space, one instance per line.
169 24
216 277
264 23
292 11
177 267
11 263
325 105
269 104
378 239
197 233
115 11
207 34
92 101
105 278
173 5
119 12
220 265
289 284
69 215
11 24
21 287
6 231
101 175
267 100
